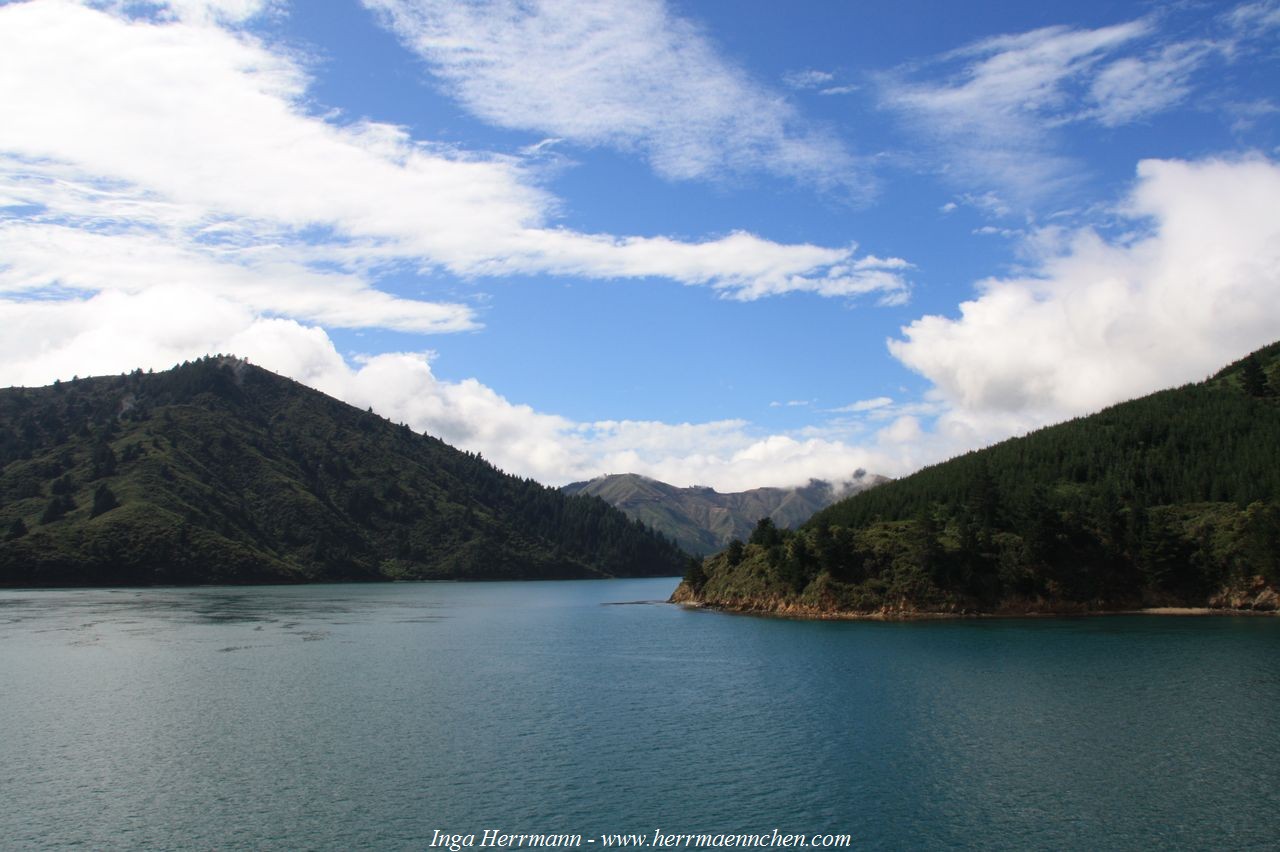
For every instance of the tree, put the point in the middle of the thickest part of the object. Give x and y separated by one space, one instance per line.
16 530
766 534
104 500
694 574
57 508
104 461
1253 378
735 552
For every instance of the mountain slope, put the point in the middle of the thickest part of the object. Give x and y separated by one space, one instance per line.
702 520
217 471
1168 500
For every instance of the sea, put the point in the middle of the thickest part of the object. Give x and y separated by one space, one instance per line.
594 715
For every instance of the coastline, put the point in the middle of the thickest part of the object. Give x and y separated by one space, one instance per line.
802 613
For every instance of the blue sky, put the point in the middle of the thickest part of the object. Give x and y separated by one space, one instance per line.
725 243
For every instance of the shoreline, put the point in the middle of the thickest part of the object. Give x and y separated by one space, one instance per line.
804 614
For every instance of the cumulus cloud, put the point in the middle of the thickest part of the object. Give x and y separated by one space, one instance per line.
630 75
1103 320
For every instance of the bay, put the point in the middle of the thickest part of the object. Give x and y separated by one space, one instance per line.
371 716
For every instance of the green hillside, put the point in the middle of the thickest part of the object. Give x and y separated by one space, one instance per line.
702 520
1171 499
221 472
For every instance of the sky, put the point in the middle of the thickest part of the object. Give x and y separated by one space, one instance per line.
734 244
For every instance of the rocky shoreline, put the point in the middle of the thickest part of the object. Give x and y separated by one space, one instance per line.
1257 601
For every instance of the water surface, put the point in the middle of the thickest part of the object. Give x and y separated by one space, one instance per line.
367 716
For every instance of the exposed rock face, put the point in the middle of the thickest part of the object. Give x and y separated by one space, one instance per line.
1257 596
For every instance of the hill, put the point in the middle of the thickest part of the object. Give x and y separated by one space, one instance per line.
702 520
1168 500
221 472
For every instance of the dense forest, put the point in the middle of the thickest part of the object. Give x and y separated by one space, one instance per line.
218 471
1168 500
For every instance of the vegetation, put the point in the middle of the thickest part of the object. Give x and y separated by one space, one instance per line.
217 471
702 520
1171 499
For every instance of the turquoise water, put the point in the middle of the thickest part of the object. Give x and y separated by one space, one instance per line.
334 717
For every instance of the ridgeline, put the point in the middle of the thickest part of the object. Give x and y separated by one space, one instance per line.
1171 500
220 472
702 520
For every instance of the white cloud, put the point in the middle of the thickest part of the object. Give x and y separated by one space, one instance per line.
201 135
1254 18
627 75
993 109
1102 321
166 193
808 79
865 405
114 332
989 116
1132 88
37 257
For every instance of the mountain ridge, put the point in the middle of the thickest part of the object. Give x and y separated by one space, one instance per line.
218 471
701 520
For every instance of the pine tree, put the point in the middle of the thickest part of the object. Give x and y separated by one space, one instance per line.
1253 379
103 501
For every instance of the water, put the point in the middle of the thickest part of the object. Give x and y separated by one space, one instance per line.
335 717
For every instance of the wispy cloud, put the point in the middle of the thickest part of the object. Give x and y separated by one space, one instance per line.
632 76
993 110
166 190
809 78
986 105
1255 18
167 149
864 405
1132 88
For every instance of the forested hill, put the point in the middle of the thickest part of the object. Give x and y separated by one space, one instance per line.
221 472
702 520
1171 499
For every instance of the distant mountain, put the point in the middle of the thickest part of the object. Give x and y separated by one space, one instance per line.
221 472
702 520
1168 500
